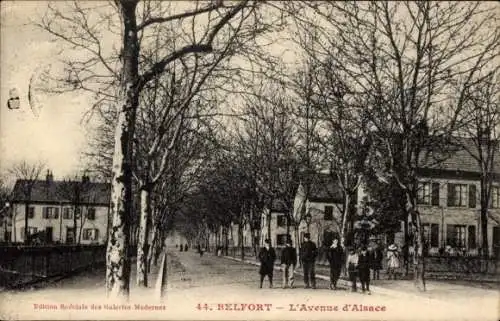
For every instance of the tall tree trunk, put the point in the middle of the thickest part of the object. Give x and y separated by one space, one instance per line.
26 213
418 261
345 216
406 244
268 222
143 244
484 216
152 249
117 258
240 237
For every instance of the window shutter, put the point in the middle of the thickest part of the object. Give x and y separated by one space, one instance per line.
96 234
472 196
451 194
435 194
45 212
471 237
434 235
450 235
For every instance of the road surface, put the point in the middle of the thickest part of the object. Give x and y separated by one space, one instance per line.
217 288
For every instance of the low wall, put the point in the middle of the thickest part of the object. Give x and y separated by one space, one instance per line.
25 264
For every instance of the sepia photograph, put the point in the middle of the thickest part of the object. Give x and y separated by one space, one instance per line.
249 160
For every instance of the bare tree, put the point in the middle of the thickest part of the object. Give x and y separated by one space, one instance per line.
27 175
203 28
480 139
75 191
400 62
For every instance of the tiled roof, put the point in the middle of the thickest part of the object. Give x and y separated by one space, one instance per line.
44 191
458 158
279 206
324 188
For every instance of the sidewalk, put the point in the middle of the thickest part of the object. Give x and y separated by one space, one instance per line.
438 291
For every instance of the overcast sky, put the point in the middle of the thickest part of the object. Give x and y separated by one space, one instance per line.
56 135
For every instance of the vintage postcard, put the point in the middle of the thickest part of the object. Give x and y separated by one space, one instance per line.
249 160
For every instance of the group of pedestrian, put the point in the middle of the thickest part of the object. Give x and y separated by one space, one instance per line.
308 254
358 264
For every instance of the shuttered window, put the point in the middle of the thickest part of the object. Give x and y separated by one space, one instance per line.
472 196
435 194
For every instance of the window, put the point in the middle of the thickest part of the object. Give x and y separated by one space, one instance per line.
67 214
78 212
431 234
495 197
424 193
328 213
457 195
50 212
91 214
281 239
31 212
471 237
455 235
90 234
281 220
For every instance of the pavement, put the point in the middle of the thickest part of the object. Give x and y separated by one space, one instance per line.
220 288
439 291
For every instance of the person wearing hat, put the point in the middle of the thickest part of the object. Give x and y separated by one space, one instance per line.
308 254
364 269
376 261
335 256
352 268
267 256
392 261
288 263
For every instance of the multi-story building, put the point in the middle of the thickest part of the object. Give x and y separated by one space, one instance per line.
61 211
319 214
448 201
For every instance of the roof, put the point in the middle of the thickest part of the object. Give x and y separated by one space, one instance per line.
279 206
457 161
324 188
49 191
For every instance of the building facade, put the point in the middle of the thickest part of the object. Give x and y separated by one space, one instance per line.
73 212
448 203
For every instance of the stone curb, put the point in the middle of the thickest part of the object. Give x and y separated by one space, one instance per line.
375 289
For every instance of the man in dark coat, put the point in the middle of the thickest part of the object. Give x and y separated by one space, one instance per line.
364 269
335 256
376 257
267 256
288 263
308 254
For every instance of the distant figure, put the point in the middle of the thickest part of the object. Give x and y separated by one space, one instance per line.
308 254
267 256
181 248
335 256
352 268
376 258
185 248
176 245
200 250
392 261
364 269
288 262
